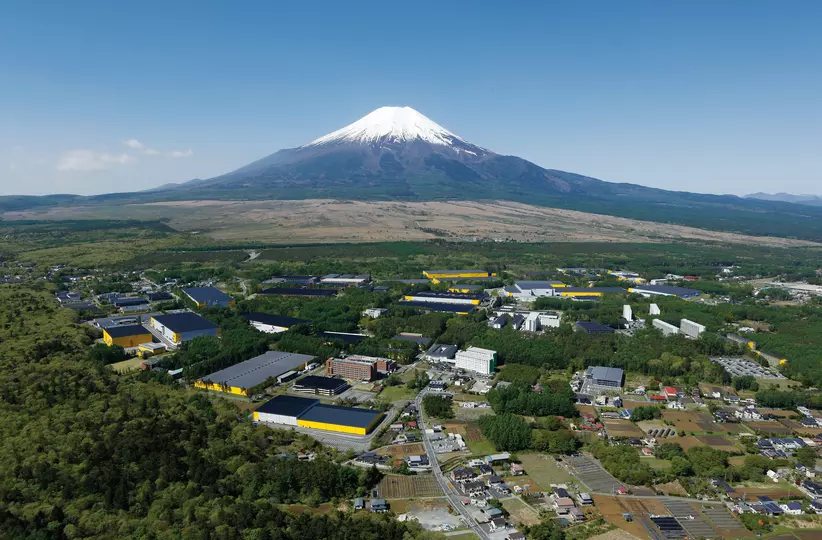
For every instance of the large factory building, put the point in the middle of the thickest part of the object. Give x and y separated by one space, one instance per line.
310 413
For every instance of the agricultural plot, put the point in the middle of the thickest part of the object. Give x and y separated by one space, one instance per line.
777 492
406 487
725 522
690 421
796 427
687 442
402 450
593 475
622 428
770 427
612 509
718 442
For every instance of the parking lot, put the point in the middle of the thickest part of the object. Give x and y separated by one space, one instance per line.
593 475
739 366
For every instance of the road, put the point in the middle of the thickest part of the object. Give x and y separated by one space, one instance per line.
453 497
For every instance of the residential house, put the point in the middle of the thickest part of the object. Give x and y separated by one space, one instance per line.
379 505
517 469
563 504
485 470
461 474
497 523
494 480
585 499
792 508
473 488
359 503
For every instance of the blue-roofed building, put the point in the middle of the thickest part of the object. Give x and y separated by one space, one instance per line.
206 297
593 327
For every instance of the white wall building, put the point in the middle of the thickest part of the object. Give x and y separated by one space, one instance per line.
627 313
690 328
667 328
475 359
655 310
374 313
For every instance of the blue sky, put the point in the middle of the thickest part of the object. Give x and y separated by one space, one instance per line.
722 97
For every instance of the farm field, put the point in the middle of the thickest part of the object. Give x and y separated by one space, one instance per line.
402 450
397 393
407 487
691 422
612 509
543 471
718 442
622 428
520 512
657 464
776 492
770 427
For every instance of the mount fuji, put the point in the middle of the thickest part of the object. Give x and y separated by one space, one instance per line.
391 153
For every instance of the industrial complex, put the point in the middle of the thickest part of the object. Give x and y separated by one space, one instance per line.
241 378
310 413
272 324
358 367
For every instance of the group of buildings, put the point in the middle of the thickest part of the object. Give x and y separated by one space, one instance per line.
474 359
686 327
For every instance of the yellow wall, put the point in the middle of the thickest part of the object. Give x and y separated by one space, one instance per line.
581 293
331 427
126 341
220 388
456 274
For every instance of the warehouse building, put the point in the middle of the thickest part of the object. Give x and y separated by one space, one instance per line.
593 327
181 327
584 292
126 336
359 368
667 329
446 298
310 413
345 279
690 328
458 309
475 359
207 297
340 419
322 386
290 291
464 288
347 338
664 290
283 409
297 280
240 378
272 324
534 289
159 296
450 274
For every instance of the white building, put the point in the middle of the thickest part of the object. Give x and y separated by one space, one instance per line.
374 313
654 310
475 359
667 329
627 313
345 279
690 328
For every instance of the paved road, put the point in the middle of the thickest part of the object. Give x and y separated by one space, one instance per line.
453 497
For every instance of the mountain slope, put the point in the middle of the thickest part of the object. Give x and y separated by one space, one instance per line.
396 153
813 200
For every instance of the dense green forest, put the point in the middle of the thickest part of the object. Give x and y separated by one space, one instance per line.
86 453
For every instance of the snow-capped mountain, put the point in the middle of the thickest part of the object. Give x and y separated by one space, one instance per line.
390 152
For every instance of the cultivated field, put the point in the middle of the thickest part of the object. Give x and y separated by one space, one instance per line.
622 428
690 421
718 442
769 427
402 450
327 221
406 487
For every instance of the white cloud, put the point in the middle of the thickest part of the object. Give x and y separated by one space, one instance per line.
134 144
180 153
90 160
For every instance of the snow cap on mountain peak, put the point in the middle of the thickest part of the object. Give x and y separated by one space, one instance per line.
391 124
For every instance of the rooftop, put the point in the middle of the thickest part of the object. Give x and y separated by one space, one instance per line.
184 322
256 370
606 373
290 291
287 405
346 416
273 320
207 294
437 306
322 383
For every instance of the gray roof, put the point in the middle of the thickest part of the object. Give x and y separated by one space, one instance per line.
439 350
343 416
526 285
667 289
255 371
208 295
606 373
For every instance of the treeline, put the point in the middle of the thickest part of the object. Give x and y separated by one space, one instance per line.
510 432
556 399
88 453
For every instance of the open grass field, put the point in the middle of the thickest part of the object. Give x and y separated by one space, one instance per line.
481 448
132 364
622 428
776 492
407 487
398 393
325 221
298 509
543 470
657 464
463 536
691 422
402 450
520 512
685 442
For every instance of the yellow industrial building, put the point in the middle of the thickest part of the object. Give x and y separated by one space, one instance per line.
126 336
310 413
451 274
